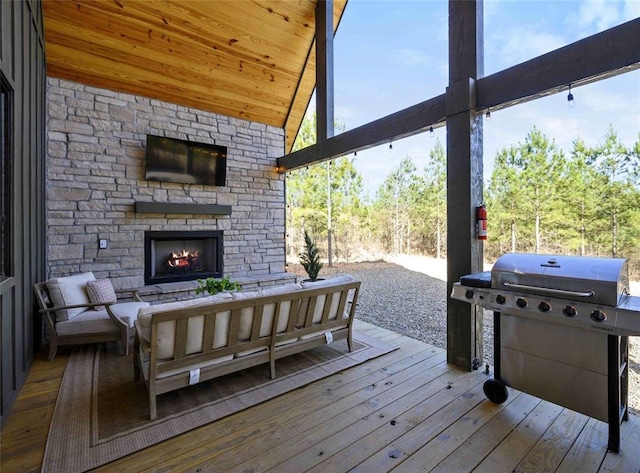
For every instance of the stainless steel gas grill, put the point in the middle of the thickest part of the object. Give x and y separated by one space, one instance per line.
561 327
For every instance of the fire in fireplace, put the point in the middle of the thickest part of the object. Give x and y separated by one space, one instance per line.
186 259
182 256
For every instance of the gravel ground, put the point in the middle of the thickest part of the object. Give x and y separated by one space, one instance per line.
408 295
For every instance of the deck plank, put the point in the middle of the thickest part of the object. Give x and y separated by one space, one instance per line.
24 434
418 405
299 424
434 440
628 459
554 445
589 449
518 443
436 429
482 442
390 441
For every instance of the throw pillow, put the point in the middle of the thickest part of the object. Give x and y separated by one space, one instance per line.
70 290
101 290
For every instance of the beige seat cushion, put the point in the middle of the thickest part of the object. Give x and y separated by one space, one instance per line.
88 322
246 319
145 314
91 321
70 290
195 325
128 311
343 279
320 301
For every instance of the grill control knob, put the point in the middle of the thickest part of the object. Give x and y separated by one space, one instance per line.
522 303
469 294
569 311
598 316
544 306
500 299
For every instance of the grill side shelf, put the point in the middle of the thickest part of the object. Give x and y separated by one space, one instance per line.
628 320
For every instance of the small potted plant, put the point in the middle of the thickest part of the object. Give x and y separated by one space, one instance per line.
214 286
310 258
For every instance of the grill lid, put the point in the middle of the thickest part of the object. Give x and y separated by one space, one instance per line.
597 280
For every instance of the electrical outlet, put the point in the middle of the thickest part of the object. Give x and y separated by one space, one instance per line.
103 243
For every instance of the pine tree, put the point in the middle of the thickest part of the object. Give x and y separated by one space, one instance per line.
310 258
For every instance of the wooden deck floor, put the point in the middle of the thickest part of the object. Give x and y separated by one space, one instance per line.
407 411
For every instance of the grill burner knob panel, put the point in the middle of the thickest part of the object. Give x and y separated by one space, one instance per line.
569 311
521 302
598 316
469 294
500 299
544 306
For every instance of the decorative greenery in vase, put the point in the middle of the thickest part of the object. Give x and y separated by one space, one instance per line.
214 286
310 258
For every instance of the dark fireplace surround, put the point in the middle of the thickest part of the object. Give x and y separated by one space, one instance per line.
174 256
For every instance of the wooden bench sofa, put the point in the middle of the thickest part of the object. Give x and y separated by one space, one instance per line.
182 343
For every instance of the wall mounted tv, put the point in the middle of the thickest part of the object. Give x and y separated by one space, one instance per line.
173 160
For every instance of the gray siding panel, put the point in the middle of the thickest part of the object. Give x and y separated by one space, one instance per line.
7 49
23 66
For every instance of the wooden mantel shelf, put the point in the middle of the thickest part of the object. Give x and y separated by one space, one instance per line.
168 208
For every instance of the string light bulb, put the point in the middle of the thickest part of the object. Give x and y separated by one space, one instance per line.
431 130
355 153
488 115
570 100
390 145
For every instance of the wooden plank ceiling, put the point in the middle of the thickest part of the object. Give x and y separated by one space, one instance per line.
249 59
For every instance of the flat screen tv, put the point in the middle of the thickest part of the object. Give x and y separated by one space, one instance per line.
173 160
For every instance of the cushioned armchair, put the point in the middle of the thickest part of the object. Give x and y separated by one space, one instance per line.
79 309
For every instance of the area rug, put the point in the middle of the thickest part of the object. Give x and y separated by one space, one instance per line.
101 414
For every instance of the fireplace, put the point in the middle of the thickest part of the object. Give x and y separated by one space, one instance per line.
182 256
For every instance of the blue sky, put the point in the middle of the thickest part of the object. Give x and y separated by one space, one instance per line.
389 55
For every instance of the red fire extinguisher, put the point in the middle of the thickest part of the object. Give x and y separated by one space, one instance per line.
481 222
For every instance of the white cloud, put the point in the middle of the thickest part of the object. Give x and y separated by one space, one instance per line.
492 10
604 101
419 155
441 32
523 44
443 68
562 130
411 57
601 14
345 115
630 10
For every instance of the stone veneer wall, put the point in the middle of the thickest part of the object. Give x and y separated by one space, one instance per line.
95 174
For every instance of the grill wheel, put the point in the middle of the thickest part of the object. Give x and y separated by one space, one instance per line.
495 391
